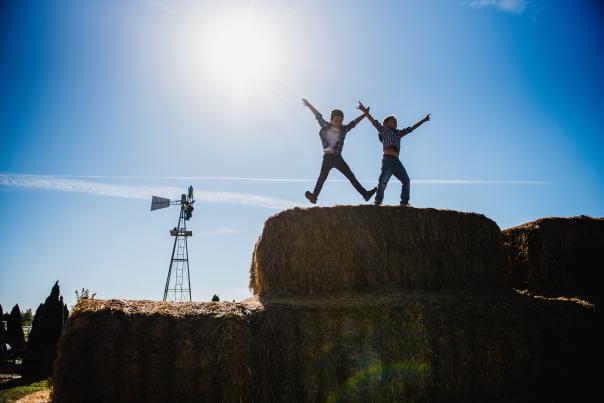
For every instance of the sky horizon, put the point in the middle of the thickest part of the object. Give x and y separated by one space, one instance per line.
107 103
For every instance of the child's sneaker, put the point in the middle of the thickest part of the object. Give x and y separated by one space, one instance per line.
369 194
311 197
377 203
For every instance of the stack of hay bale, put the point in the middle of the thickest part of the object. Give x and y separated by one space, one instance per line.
321 251
557 257
352 304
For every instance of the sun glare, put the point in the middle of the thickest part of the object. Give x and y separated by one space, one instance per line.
239 52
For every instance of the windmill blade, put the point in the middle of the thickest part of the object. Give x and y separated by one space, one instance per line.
159 203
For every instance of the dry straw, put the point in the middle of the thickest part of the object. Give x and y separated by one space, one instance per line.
557 256
369 347
355 304
321 251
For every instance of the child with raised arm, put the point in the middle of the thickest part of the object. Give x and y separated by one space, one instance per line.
332 136
390 137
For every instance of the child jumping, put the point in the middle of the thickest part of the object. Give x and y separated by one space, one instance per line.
332 136
390 137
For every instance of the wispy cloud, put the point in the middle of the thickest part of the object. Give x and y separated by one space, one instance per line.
67 184
510 6
475 182
222 231
286 180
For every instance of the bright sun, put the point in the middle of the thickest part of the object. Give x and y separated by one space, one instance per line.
239 52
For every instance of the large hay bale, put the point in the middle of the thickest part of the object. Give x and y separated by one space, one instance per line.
557 256
153 352
351 249
382 347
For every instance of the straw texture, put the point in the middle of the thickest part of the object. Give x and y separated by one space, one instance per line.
557 256
378 347
352 249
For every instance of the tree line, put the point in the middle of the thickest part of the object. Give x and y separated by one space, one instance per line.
39 352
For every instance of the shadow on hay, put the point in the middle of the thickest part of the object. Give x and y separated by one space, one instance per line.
352 304
557 256
386 346
353 249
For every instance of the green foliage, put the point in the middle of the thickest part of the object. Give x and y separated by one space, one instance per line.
27 318
2 329
215 298
83 294
16 389
45 333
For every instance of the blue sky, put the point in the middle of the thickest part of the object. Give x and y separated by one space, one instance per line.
104 103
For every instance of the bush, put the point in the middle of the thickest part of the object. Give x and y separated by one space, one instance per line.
14 332
45 333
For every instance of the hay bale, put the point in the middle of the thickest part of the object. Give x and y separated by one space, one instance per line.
380 347
557 256
153 352
352 249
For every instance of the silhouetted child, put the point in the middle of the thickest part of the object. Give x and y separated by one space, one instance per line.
332 135
390 137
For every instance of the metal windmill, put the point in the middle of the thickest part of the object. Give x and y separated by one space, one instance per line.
178 283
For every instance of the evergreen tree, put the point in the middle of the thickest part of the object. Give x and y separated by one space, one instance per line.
4 318
215 298
84 294
2 329
27 317
14 333
45 333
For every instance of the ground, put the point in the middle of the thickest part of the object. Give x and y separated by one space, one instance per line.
16 390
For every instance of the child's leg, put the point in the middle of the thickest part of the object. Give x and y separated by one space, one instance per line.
343 167
383 180
401 173
328 163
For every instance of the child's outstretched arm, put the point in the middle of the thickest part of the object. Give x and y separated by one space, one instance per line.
309 106
421 122
354 122
359 118
365 111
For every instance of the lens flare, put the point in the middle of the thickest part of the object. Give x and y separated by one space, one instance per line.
239 52
400 371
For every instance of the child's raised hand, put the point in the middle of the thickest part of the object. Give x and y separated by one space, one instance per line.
305 102
427 118
362 108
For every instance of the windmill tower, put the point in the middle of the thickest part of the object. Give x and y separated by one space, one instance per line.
178 283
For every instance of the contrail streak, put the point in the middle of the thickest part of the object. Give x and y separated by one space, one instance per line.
68 184
292 180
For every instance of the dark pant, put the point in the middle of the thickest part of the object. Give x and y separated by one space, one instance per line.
392 166
336 161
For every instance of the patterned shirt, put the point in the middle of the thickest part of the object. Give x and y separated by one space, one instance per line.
391 138
326 127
